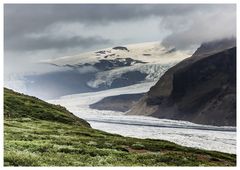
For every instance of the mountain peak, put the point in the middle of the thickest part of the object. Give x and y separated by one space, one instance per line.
215 46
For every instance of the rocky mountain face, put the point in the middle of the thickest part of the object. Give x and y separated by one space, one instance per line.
200 89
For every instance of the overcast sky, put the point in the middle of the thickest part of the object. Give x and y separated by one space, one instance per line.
36 32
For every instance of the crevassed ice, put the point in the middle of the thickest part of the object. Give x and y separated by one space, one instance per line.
153 71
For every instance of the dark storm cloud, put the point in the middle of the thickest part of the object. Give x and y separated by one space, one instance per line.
32 18
22 19
45 43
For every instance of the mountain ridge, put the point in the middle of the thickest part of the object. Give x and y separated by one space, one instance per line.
169 97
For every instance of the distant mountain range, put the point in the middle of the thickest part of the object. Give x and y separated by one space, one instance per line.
200 89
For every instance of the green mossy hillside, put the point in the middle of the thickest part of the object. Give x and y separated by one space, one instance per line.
18 105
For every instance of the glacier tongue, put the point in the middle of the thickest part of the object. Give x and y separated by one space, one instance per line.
181 132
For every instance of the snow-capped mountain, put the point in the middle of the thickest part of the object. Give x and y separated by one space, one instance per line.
108 68
150 52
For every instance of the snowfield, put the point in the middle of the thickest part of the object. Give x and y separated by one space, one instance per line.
181 132
150 52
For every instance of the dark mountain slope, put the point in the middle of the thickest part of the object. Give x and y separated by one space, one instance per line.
121 103
201 89
213 47
59 83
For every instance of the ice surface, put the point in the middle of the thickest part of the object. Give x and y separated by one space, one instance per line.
181 132
223 141
153 70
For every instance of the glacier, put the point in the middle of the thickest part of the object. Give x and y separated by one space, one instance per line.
181 132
